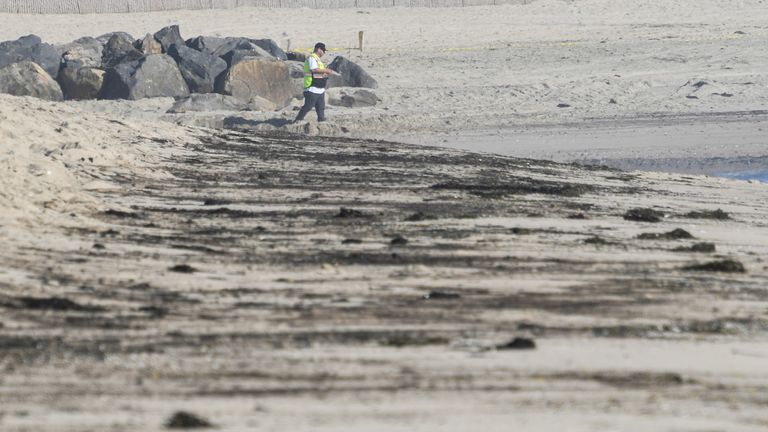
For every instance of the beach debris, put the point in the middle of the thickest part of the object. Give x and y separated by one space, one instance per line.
345 212
675 234
579 215
723 266
612 101
563 105
401 340
399 240
29 79
441 295
99 246
187 420
350 74
643 215
351 241
723 94
696 247
182 268
708 214
518 343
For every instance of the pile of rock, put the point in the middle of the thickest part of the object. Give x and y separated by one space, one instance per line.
243 72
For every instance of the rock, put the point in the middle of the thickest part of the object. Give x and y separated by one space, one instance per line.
517 343
81 83
155 75
643 215
29 79
345 212
87 51
169 36
351 97
708 214
182 268
264 77
107 36
81 76
186 420
296 56
149 45
30 48
199 69
119 49
271 47
724 266
675 234
398 240
234 50
296 69
208 102
441 295
352 75
258 103
702 247
206 44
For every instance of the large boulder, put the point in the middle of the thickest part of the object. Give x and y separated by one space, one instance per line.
235 50
351 75
351 97
80 75
168 37
155 75
253 76
27 78
119 49
30 48
87 50
206 44
81 83
208 102
271 47
149 45
199 69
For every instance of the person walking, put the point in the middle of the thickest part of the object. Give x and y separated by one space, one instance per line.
315 78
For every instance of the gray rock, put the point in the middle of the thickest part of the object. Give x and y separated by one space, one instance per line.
271 47
208 102
107 36
27 78
264 77
352 97
258 103
155 75
199 69
207 44
81 83
149 45
119 49
30 48
235 50
86 50
352 75
169 36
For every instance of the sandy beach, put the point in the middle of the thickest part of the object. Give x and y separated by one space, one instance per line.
435 262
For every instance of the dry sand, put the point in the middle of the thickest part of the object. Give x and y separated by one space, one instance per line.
151 266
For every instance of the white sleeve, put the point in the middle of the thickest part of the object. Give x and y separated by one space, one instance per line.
312 63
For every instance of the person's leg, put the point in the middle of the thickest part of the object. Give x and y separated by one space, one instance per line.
309 103
320 107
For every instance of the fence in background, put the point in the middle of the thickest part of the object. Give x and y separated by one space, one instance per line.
127 6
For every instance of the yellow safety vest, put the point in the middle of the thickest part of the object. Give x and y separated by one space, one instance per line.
308 72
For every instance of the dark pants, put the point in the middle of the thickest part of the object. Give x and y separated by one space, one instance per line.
313 100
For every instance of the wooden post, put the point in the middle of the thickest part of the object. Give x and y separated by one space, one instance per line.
360 40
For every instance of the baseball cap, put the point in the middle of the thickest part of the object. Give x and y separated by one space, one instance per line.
320 45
